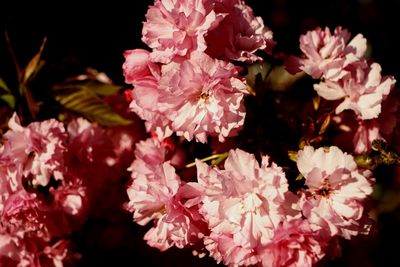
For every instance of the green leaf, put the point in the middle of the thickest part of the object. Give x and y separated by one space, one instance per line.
6 95
257 69
100 88
9 99
33 66
87 103
4 86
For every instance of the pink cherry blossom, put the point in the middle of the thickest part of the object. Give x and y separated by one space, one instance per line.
242 206
336 190
97 160
155 196
36 150
139 70
148 194
294 244
354 134
28 213
362 92
176 28
72 198
202 97
179 226
144 75
239 35
328 55
20 250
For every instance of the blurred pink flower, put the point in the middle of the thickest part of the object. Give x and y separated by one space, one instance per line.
337 189
239 35
27 213
19 250
293 245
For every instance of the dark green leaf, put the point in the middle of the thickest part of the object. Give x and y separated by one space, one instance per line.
87 103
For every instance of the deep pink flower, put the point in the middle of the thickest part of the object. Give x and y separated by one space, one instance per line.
328 54
36 151
202 97
176 28
336 191
242 205
25 212
293 245
239 35
20 250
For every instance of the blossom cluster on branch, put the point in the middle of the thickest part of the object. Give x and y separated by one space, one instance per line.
246 156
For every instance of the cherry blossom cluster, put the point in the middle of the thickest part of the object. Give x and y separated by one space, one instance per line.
244 214
353 82
190 72
53 176
240 205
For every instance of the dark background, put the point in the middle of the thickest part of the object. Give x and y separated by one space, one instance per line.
96 34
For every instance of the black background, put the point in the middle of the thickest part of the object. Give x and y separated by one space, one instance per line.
97 33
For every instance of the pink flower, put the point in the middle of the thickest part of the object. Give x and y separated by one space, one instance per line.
154 194
144 74
239 35
11 181
25 212
363 91
294 244
139 70
179 226
242 205
201 97
155 197
176 28
148 194
97 160
72 199
328 55
37 150
336 190
356 135
20 250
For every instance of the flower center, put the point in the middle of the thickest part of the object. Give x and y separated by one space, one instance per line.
325 189
204 95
